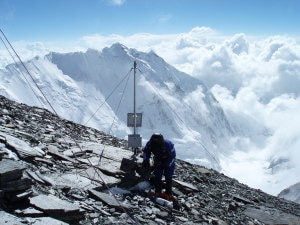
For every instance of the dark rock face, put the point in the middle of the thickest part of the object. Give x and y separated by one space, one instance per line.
53 171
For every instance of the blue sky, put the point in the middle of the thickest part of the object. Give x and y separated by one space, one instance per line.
62 20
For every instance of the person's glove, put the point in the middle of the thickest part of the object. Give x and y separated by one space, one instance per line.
146 164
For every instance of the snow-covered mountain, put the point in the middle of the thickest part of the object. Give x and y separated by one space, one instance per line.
95 88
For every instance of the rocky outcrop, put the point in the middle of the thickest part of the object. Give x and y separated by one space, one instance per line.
57 172
13 186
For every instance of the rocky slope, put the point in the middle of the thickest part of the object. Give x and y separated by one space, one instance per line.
57 172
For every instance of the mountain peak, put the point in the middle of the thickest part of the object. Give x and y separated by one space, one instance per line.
117 49
118 45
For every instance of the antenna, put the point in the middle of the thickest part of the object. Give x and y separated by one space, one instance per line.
134 97
134 119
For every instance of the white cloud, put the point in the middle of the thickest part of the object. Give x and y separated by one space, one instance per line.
267 156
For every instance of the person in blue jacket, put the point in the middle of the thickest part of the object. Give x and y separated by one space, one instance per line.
164 161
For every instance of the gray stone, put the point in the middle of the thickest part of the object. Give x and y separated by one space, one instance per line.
185 185
16 185
29 212
9 219
56 207
22 148
271 216
108 199
46 180
10 170
52 150
95 174
35 177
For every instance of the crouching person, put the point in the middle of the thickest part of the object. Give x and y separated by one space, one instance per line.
164 161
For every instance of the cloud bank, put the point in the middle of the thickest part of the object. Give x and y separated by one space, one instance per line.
255 79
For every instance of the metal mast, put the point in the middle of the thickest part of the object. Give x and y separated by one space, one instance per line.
134 119
134 97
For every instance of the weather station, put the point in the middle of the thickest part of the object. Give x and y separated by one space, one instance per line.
134 119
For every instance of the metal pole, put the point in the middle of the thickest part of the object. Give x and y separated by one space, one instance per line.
134 111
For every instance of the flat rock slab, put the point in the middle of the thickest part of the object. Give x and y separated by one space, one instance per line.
30 212
53 150
23 149
6 218
107 199
47 220
96 174
16 185
56 207
203 170
106 151
185 185
108 166
241 199
10 170
73 180
271 216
